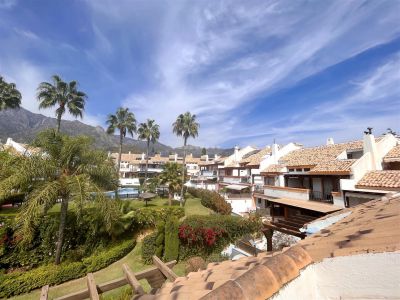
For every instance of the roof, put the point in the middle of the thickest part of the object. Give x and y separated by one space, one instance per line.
255 159
274 168
310 205
387 180
236 187
371 227
334 167
315 155
393 155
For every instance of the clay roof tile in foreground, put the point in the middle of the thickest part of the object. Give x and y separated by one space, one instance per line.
371 227
386 180
393 155
274 168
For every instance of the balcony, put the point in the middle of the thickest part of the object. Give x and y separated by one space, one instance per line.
321 197
238 196
286 192
234 179
209 173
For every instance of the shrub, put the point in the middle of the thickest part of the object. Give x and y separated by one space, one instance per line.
205 235
149 248
160 239
23 282
194 264
212 200
149 216
171 239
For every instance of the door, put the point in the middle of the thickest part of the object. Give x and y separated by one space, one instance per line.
316 188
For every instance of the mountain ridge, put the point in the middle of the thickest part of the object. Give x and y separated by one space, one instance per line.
22 126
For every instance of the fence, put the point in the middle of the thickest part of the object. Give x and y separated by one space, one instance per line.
155 276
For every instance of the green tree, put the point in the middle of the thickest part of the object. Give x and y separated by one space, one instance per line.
171 177
65 169
203 151
185 126
124 121
150 132
64 95
10 97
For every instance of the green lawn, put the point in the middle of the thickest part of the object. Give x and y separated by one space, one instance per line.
133 259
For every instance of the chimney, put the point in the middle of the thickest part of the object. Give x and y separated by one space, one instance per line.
369 146
176 157
9 141
143 155
330 141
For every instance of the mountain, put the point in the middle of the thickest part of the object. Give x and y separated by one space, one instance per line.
22 126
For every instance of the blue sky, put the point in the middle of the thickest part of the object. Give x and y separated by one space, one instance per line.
251 70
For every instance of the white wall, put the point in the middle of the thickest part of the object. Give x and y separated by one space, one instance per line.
280 193
241 205
364 276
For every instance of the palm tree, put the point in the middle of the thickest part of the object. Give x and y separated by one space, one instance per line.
150 132
10 97
65 169
124 121
63 94
185 126
171 177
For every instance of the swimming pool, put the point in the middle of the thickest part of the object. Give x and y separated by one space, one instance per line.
124 193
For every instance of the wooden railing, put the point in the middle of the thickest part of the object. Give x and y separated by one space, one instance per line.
155 276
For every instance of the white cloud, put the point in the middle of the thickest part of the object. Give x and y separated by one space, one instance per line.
6 4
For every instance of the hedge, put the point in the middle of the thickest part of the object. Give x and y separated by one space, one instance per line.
149 247
212 200
150 216
171 251
23 282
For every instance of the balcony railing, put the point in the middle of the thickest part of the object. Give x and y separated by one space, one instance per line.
286 192
238 196
322 197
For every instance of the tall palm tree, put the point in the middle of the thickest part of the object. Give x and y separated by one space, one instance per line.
10 97
124 121
64 95
171 177
185 126
150 132
66 169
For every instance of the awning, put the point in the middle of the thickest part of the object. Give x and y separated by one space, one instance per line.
307 204
236 187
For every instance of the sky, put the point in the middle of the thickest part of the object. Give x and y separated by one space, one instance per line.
251 71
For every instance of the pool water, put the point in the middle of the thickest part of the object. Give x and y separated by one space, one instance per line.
124 193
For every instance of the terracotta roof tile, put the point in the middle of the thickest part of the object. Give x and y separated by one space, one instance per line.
389 179
370 227
393 155
255 159
333 166
274 168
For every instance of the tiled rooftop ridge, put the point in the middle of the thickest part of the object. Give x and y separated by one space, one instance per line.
247 278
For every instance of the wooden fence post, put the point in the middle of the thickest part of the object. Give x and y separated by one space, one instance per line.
44 292
164 269
130 277
91 284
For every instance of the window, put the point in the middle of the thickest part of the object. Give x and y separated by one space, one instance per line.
259 201
291 170
306 169
299 170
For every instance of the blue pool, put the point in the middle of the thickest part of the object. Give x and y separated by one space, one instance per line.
124 193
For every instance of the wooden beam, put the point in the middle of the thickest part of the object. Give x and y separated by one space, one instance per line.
164 269
130 277
284 230
44 292
153 275
91 284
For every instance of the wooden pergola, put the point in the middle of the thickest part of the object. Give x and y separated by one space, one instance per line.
155 276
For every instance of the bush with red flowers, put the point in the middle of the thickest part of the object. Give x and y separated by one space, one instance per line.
205 235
